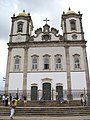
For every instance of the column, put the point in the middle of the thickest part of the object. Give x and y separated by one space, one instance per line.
69 95
25 71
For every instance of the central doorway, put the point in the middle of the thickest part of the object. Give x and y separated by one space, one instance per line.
47 91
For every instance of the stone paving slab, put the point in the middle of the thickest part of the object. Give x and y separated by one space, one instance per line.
46 118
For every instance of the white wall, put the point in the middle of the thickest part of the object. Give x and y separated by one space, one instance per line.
57 77
15 81
78 80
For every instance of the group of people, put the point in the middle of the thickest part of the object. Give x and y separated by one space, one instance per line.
12 101
84 100
5 99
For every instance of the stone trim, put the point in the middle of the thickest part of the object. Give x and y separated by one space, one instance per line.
47 44
82 33
86 66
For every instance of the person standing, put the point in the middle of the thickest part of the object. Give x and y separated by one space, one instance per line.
12 111
86 100
16 96
3 98
25 100
10 97
82 99
6 100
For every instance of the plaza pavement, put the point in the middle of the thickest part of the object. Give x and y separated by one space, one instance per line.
46 118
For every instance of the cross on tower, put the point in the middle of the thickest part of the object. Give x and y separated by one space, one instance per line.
46 20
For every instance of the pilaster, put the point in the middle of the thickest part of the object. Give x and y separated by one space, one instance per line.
88 92
8 70
12 27
69 96
86 69
25 70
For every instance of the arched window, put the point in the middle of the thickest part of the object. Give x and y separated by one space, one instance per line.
20 26
58 63
34 62
73 24
76 61
17 60
46 61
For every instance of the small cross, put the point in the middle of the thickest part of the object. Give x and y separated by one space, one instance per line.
46 20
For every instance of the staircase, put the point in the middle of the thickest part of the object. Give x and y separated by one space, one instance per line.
47 111
47 103
50 103
47 108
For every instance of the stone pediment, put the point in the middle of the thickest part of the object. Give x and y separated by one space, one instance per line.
47 34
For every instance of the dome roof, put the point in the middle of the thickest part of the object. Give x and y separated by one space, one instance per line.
70 12
23 13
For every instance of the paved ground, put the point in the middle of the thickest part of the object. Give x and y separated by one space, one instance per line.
46 118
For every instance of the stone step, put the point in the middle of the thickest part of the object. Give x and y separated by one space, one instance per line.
52 103
48 103
46 111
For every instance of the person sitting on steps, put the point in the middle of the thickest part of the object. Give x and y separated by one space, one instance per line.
42 100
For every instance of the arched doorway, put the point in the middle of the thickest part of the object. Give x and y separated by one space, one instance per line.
59 91
34 91
47 91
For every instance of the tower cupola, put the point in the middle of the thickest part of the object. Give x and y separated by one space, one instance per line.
71 23
22 27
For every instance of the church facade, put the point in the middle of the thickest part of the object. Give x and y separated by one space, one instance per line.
47 61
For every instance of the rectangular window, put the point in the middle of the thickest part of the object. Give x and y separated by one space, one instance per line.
17 63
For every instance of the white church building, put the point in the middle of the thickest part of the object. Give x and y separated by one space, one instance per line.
47 62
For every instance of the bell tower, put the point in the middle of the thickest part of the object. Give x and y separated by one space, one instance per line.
21 31
22 27
71 24
75 48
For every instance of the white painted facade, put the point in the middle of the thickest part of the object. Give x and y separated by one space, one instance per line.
68 72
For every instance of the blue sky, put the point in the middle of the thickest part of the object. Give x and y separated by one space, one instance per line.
39 10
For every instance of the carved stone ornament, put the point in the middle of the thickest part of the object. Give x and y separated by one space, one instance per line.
46 37
19 37
74 36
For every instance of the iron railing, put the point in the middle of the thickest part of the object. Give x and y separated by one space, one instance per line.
51 95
